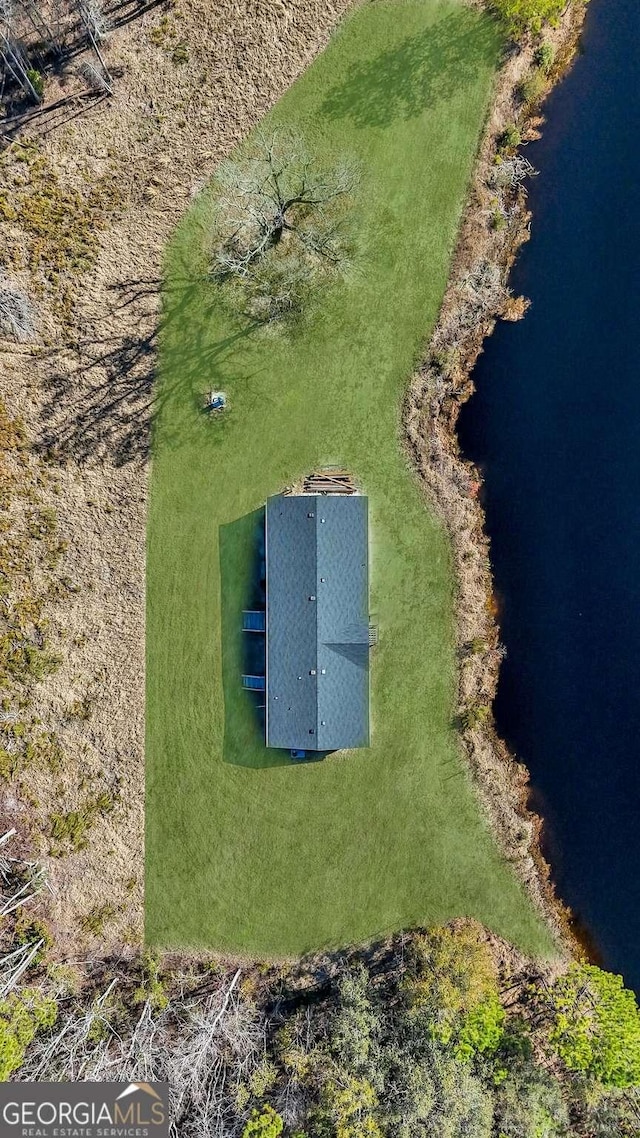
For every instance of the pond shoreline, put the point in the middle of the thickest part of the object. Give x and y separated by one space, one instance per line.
494 226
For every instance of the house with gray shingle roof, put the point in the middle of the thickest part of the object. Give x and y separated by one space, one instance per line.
317 622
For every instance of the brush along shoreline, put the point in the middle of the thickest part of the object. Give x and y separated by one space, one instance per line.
495 224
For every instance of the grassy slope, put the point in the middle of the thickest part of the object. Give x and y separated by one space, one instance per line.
243 854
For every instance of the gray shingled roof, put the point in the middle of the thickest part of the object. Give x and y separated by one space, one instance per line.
317 687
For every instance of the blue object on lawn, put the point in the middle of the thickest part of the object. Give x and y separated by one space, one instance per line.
216 401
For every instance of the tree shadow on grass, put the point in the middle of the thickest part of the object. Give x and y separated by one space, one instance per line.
242 586
423 69
194 366
103 392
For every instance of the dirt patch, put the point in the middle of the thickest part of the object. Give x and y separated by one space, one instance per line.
191 80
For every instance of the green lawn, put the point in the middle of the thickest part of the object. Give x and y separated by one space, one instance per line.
246 852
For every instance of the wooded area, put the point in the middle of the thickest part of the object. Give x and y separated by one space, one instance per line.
52 59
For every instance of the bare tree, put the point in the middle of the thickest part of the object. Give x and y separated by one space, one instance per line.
94 18
95 77
37 18
511 171
279 225
206 1046
15 64
484 289
97 27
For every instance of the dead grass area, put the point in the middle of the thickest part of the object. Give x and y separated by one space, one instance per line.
477 296
87 211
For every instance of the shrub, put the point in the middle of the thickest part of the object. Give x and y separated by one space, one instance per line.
612 1115
29 930
263 1078
477 645
180 53
450 978
435 1096
482 1029
70 829
596 1026
533 88
474 715
544 57
46 750
350 1105
459 1105
21 1016
265 1123
522 16
355 1023
151 988
529 1104
26 661
510 138
41 522
36 80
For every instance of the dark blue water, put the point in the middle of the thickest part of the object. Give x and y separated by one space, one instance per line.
555 425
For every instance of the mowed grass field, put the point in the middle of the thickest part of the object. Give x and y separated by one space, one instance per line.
247 852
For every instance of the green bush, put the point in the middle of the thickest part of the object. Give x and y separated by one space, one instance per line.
355 1024
21 1016
37 81
544 57
180 53
29 930
151 988
532 89
459 1104
348 1108
522 16
25 661
265 1123
482 1030
510 138
262 1078
595 1026
474 715
452 988
529 1104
